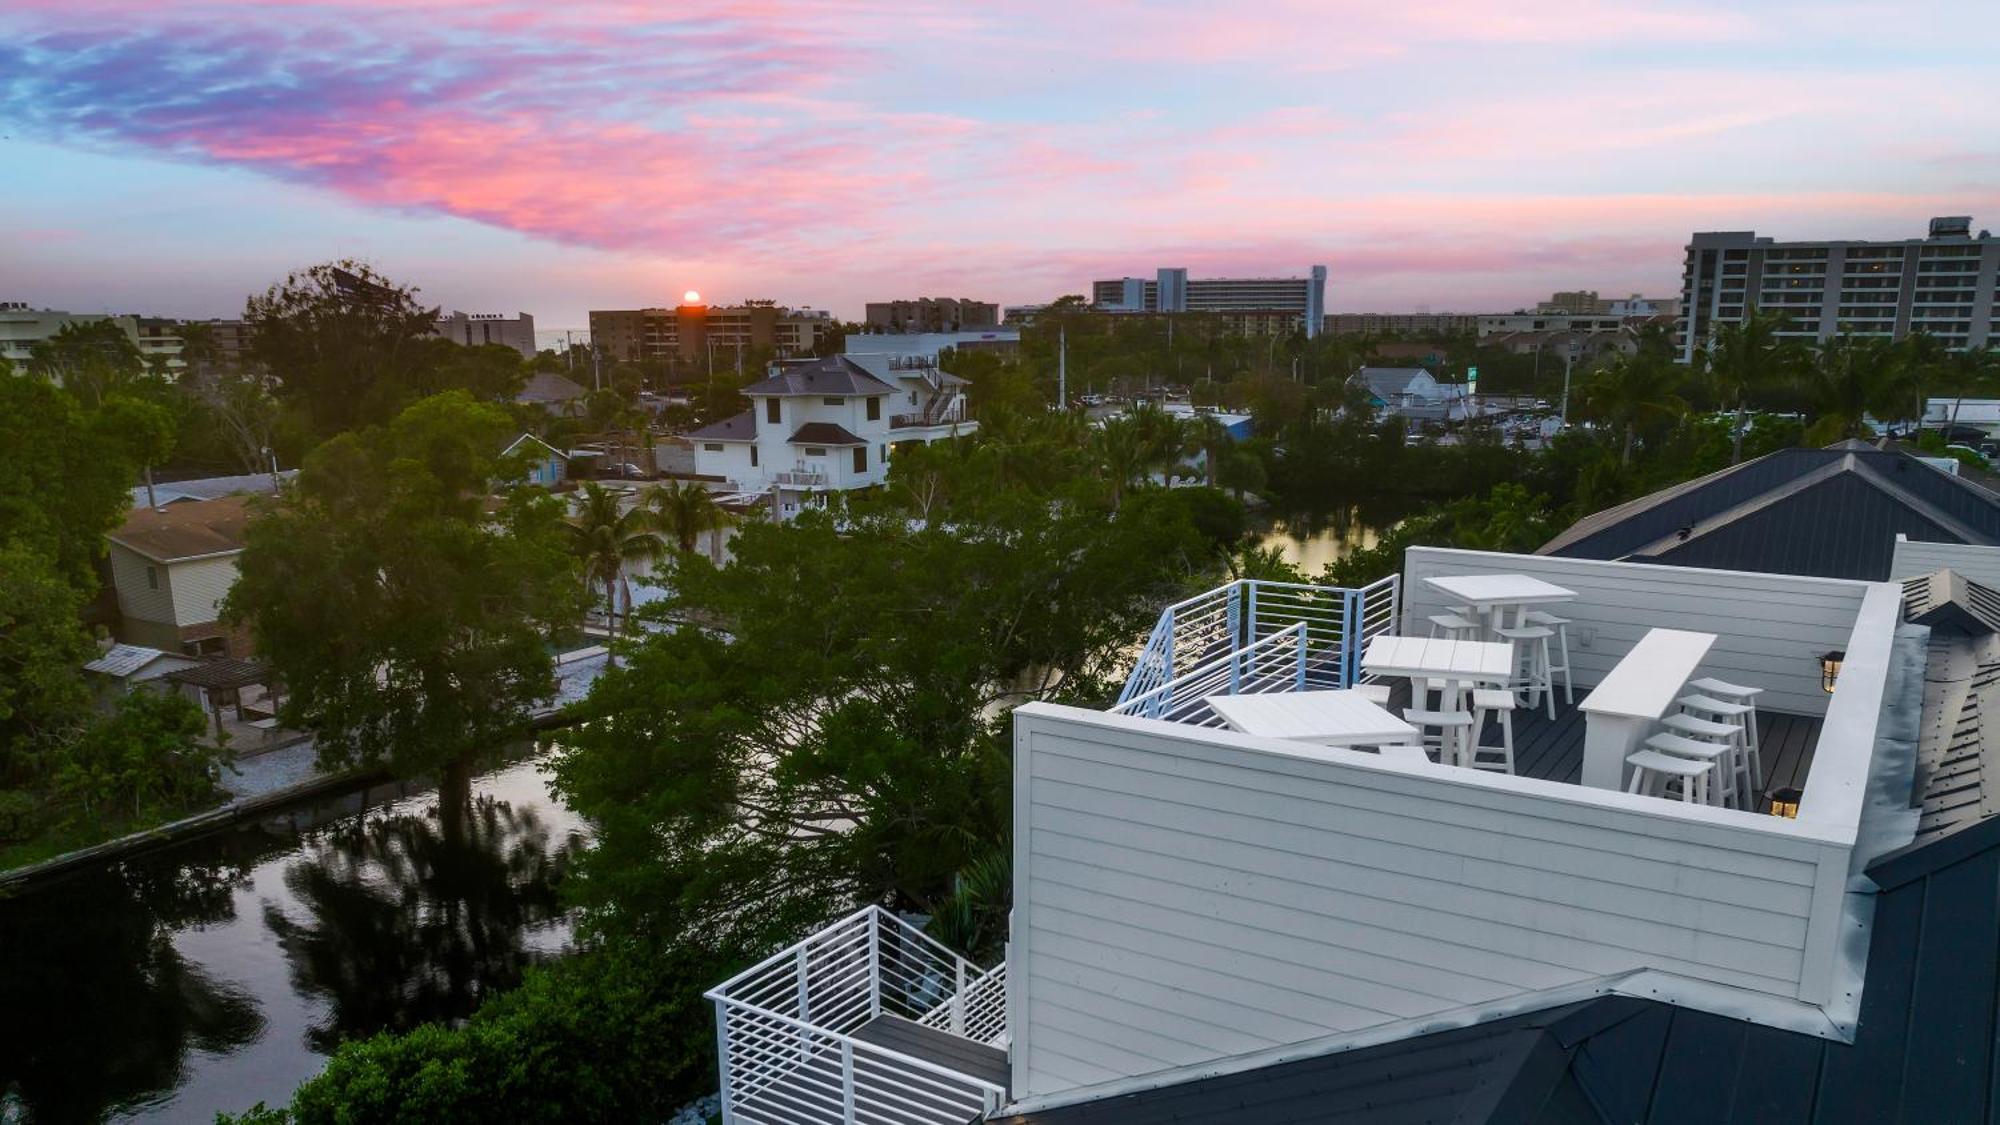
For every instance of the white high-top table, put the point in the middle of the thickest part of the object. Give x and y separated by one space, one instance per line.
1492 595
1628 704
1436 658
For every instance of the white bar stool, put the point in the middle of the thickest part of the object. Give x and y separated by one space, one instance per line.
1531 648
1498 705
1378 694
1453 626
1746 697
1650 768
1694 724
1453 732
1561 626
1719 789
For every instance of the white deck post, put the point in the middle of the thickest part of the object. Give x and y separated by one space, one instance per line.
846 1079
958 1000
874 965
805 1007
722 1062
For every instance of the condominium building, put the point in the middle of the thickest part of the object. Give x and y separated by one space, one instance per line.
1173 291
1402 324
22 327
472 329
691 331
931 314
1586 302
1942 284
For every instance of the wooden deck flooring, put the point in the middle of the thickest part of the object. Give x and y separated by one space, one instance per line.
1552 749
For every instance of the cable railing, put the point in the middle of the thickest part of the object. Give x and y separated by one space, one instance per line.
1279 662
786 1029
1336 622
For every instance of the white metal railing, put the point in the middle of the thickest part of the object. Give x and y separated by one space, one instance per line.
1279 662
786 1029
1337 622
800 478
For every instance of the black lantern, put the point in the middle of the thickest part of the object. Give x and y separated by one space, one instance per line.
1785 802
1829 668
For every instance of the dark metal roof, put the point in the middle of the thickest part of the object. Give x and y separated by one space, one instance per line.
225 673
741 427
1924 1049
1507 1070
824 433
1831 512
833 375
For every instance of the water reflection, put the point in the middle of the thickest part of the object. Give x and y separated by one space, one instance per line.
213 974
1310 538
404 920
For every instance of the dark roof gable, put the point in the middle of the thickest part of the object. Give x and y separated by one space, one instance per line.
833 375
1832 512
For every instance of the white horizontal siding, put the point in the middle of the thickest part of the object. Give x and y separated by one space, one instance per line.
1770 629
199 587
1980 564
1184 896
138 599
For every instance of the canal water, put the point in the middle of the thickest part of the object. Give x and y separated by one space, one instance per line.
1310 539
221 971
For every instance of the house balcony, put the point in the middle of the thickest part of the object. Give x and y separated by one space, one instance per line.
949 412
868 1021
799 478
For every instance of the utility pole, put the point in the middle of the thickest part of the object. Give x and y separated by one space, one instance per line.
1569 357
1062 367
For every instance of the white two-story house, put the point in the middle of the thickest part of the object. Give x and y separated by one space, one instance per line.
829 425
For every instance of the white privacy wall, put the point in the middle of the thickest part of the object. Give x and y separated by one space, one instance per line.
1770 628
1183 896
1981 564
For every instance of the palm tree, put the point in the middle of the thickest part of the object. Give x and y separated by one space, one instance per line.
1970 370
1210 439
1125 454
1743 359
1629 391
1856 376
603 539
681 511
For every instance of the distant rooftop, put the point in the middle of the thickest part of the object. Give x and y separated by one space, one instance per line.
187 530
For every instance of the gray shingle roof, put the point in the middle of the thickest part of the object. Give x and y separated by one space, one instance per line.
1833 513
1386 383
740 427
833 375
211 488
547 387
824 433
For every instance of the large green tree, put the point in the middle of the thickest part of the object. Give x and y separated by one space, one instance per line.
348 346
1745 359
408 622
824 721
91 359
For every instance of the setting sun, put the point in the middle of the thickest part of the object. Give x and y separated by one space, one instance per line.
691 298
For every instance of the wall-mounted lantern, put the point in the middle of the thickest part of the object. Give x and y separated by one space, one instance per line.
1829 668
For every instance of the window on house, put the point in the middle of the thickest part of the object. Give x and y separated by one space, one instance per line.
152 578
860 458
815 451
711 447
753 456
874 410
771 411
833 400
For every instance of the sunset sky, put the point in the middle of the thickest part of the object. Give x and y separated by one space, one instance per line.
168 157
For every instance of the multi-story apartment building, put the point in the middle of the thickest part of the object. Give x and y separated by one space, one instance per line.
1402 324
931 314
22 327
1586 302
1942 284
1173 291
830 425
471 329
690 332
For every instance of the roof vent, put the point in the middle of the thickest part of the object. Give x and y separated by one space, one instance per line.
1684 532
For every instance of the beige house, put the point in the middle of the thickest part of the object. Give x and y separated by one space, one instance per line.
171 567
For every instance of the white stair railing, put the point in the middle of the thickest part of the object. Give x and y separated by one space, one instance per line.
785 1028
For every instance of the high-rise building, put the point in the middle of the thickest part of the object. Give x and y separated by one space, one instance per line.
1173 291
692 331
1942 284
473 329
931 314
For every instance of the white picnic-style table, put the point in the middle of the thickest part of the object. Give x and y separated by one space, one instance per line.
1329 718
1326 718
1481 662
1492 595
